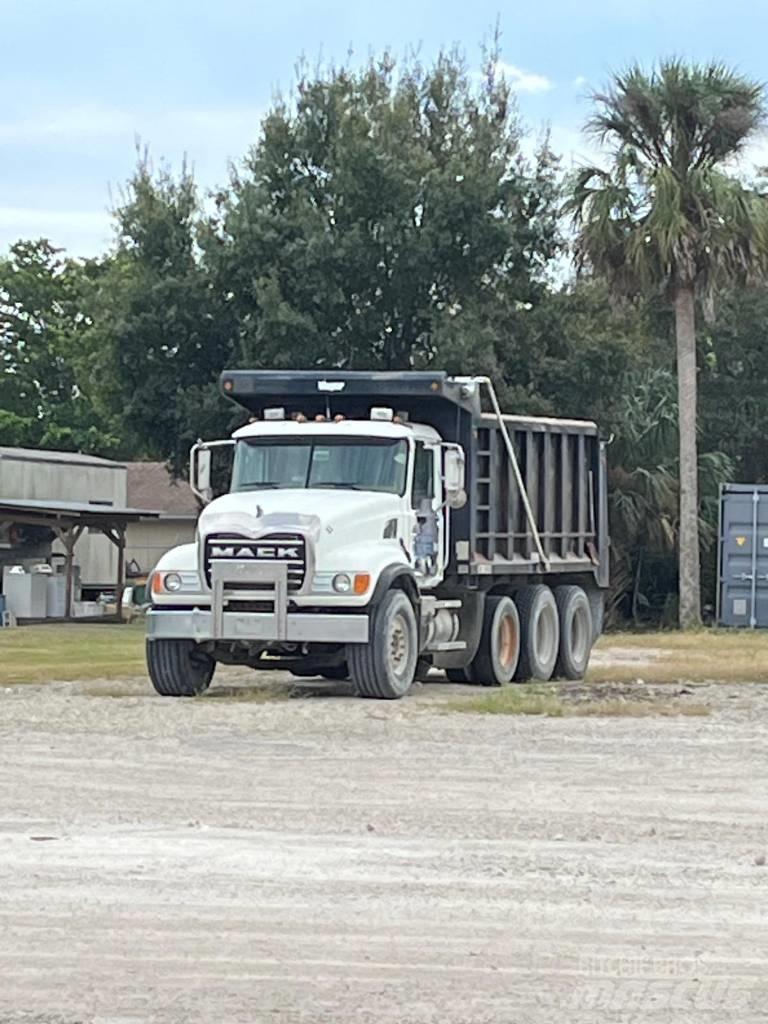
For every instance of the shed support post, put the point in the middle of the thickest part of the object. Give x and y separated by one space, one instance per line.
120 531
69 536
117 535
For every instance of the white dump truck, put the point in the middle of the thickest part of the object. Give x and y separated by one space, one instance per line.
378 525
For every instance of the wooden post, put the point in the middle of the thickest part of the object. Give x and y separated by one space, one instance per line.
69 536
69 546
120 531
117 535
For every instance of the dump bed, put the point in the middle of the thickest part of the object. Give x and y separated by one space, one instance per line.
562 527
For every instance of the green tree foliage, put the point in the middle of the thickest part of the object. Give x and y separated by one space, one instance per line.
644 493
159 337
667 217
384 219
44 401
734 382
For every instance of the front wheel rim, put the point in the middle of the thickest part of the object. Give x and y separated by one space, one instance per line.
399 645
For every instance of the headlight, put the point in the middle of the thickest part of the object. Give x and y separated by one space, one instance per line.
172 582
175 582
342 583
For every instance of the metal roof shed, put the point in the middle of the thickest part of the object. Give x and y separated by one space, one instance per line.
68 520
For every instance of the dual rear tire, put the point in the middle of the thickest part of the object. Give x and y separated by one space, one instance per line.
540 634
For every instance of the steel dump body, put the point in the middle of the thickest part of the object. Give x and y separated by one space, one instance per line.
561 464
554 524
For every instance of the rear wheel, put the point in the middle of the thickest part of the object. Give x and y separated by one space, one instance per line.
539 632
178 668
385 667
576 632
459 675
499 650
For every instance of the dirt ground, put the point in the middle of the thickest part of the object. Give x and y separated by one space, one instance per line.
328 859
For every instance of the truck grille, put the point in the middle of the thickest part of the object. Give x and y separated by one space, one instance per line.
287 548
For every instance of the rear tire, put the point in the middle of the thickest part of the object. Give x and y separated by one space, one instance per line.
178 669
576 632
499 651
385 667
539 632
459 675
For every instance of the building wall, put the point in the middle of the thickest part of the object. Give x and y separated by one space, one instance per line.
71 480
147 542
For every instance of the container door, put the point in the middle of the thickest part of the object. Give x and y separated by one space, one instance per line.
744 559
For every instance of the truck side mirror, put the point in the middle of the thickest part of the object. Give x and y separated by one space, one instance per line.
201 475
200 472
453 476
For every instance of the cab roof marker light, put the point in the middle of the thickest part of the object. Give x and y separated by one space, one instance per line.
382 413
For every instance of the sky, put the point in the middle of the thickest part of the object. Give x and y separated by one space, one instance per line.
83 81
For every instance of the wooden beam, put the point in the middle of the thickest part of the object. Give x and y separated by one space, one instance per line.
69 536
120 573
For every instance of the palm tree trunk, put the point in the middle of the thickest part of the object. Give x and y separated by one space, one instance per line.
685 329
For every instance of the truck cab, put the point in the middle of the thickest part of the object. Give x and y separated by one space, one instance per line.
337 550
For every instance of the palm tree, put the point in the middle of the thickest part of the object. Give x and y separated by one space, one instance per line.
666 216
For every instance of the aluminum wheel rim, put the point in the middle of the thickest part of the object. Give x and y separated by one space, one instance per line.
580 632
508 640
399 645
546 635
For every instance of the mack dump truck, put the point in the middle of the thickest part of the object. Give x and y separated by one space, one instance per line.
378 525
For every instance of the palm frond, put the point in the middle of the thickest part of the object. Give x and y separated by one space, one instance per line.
666 210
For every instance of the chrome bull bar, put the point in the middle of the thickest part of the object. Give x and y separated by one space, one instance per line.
270 584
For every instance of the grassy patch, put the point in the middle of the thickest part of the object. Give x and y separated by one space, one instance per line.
39 654
711 655
582 701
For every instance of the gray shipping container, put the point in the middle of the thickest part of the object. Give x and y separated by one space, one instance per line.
742 597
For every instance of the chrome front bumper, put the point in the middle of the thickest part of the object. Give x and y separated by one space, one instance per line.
233 581
198 624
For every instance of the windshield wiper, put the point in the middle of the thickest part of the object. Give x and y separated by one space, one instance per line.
341 486
263 487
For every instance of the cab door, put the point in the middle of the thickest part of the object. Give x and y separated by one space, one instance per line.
429 526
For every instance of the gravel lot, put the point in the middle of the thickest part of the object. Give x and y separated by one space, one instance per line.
329 859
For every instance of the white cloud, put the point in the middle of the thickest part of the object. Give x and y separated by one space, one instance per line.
80 232
574 147
76 124
523 81
16 216
580 81
754 157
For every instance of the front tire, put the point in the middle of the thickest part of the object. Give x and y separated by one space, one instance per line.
539 632
178 669
385 667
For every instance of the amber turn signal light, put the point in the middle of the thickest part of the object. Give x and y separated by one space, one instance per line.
362 582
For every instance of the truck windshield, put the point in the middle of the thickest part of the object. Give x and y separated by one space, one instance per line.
357 464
